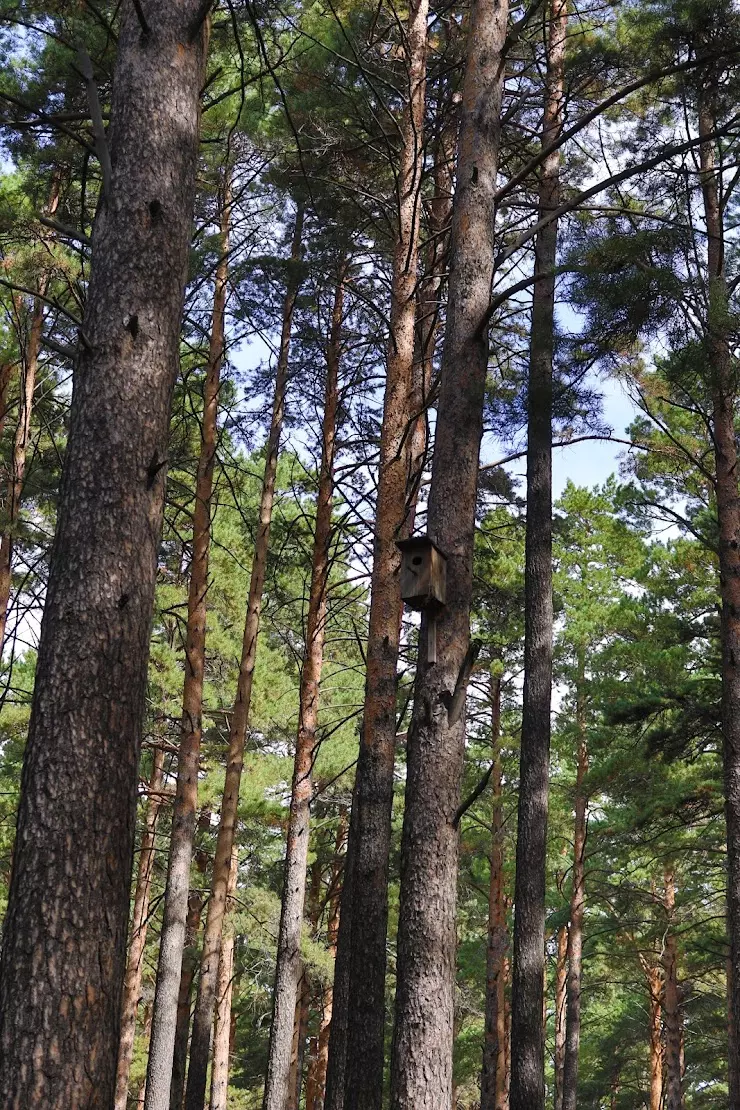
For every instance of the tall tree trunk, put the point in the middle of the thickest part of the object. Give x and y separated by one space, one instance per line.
70 891
493 1074
527 1029
672 1016
654 980
147 1034
577 903
190 961
300 1032
337 1047
374 777
561 980
728 513
21 439
316 1084
421 1063
200 1044
172 939
222 1032
289 965
139 923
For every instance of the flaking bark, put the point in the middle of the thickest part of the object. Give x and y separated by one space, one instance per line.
64 950
421 1063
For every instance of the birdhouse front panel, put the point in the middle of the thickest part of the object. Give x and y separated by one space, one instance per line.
423 573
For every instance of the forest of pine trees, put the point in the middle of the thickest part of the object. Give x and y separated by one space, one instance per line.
364 743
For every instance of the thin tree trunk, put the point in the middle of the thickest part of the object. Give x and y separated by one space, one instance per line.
337 1047
561 980
316 1084
374 777
728 514
223 1028
672 1016
289 965
172 939
300 1032
493 1074
139 923
22 436
147 1034
527 1027
70 891
421 1062
654 981
577 904
200 1044
190 961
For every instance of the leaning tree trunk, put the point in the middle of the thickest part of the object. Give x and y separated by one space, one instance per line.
64 944
527 1026
172 937
373 799
421 1063
289 964
672 1016
22 436
493 1073
139 924
577 904
722 380
224 993
561 980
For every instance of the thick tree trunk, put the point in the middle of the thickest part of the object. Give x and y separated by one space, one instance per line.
22 436
728 514
527 1029
139 923
493 1074
577 904
289 965
222 1030
421 1064
200 1044
64 950
672 1016
374 778
561 981
172 939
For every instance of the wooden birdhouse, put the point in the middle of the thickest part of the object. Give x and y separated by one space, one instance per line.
423 573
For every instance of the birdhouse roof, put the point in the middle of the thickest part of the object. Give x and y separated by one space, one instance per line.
419 543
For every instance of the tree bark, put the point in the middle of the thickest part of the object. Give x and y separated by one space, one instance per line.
172 938
64 950
493 1074
200 1044
289 964
337 1047
21 439
672 1016
724 401
139 923
654 981
224 992
527 1027
561 980
577 904
421 1063
190 961
316 1083
374 777
300 1031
